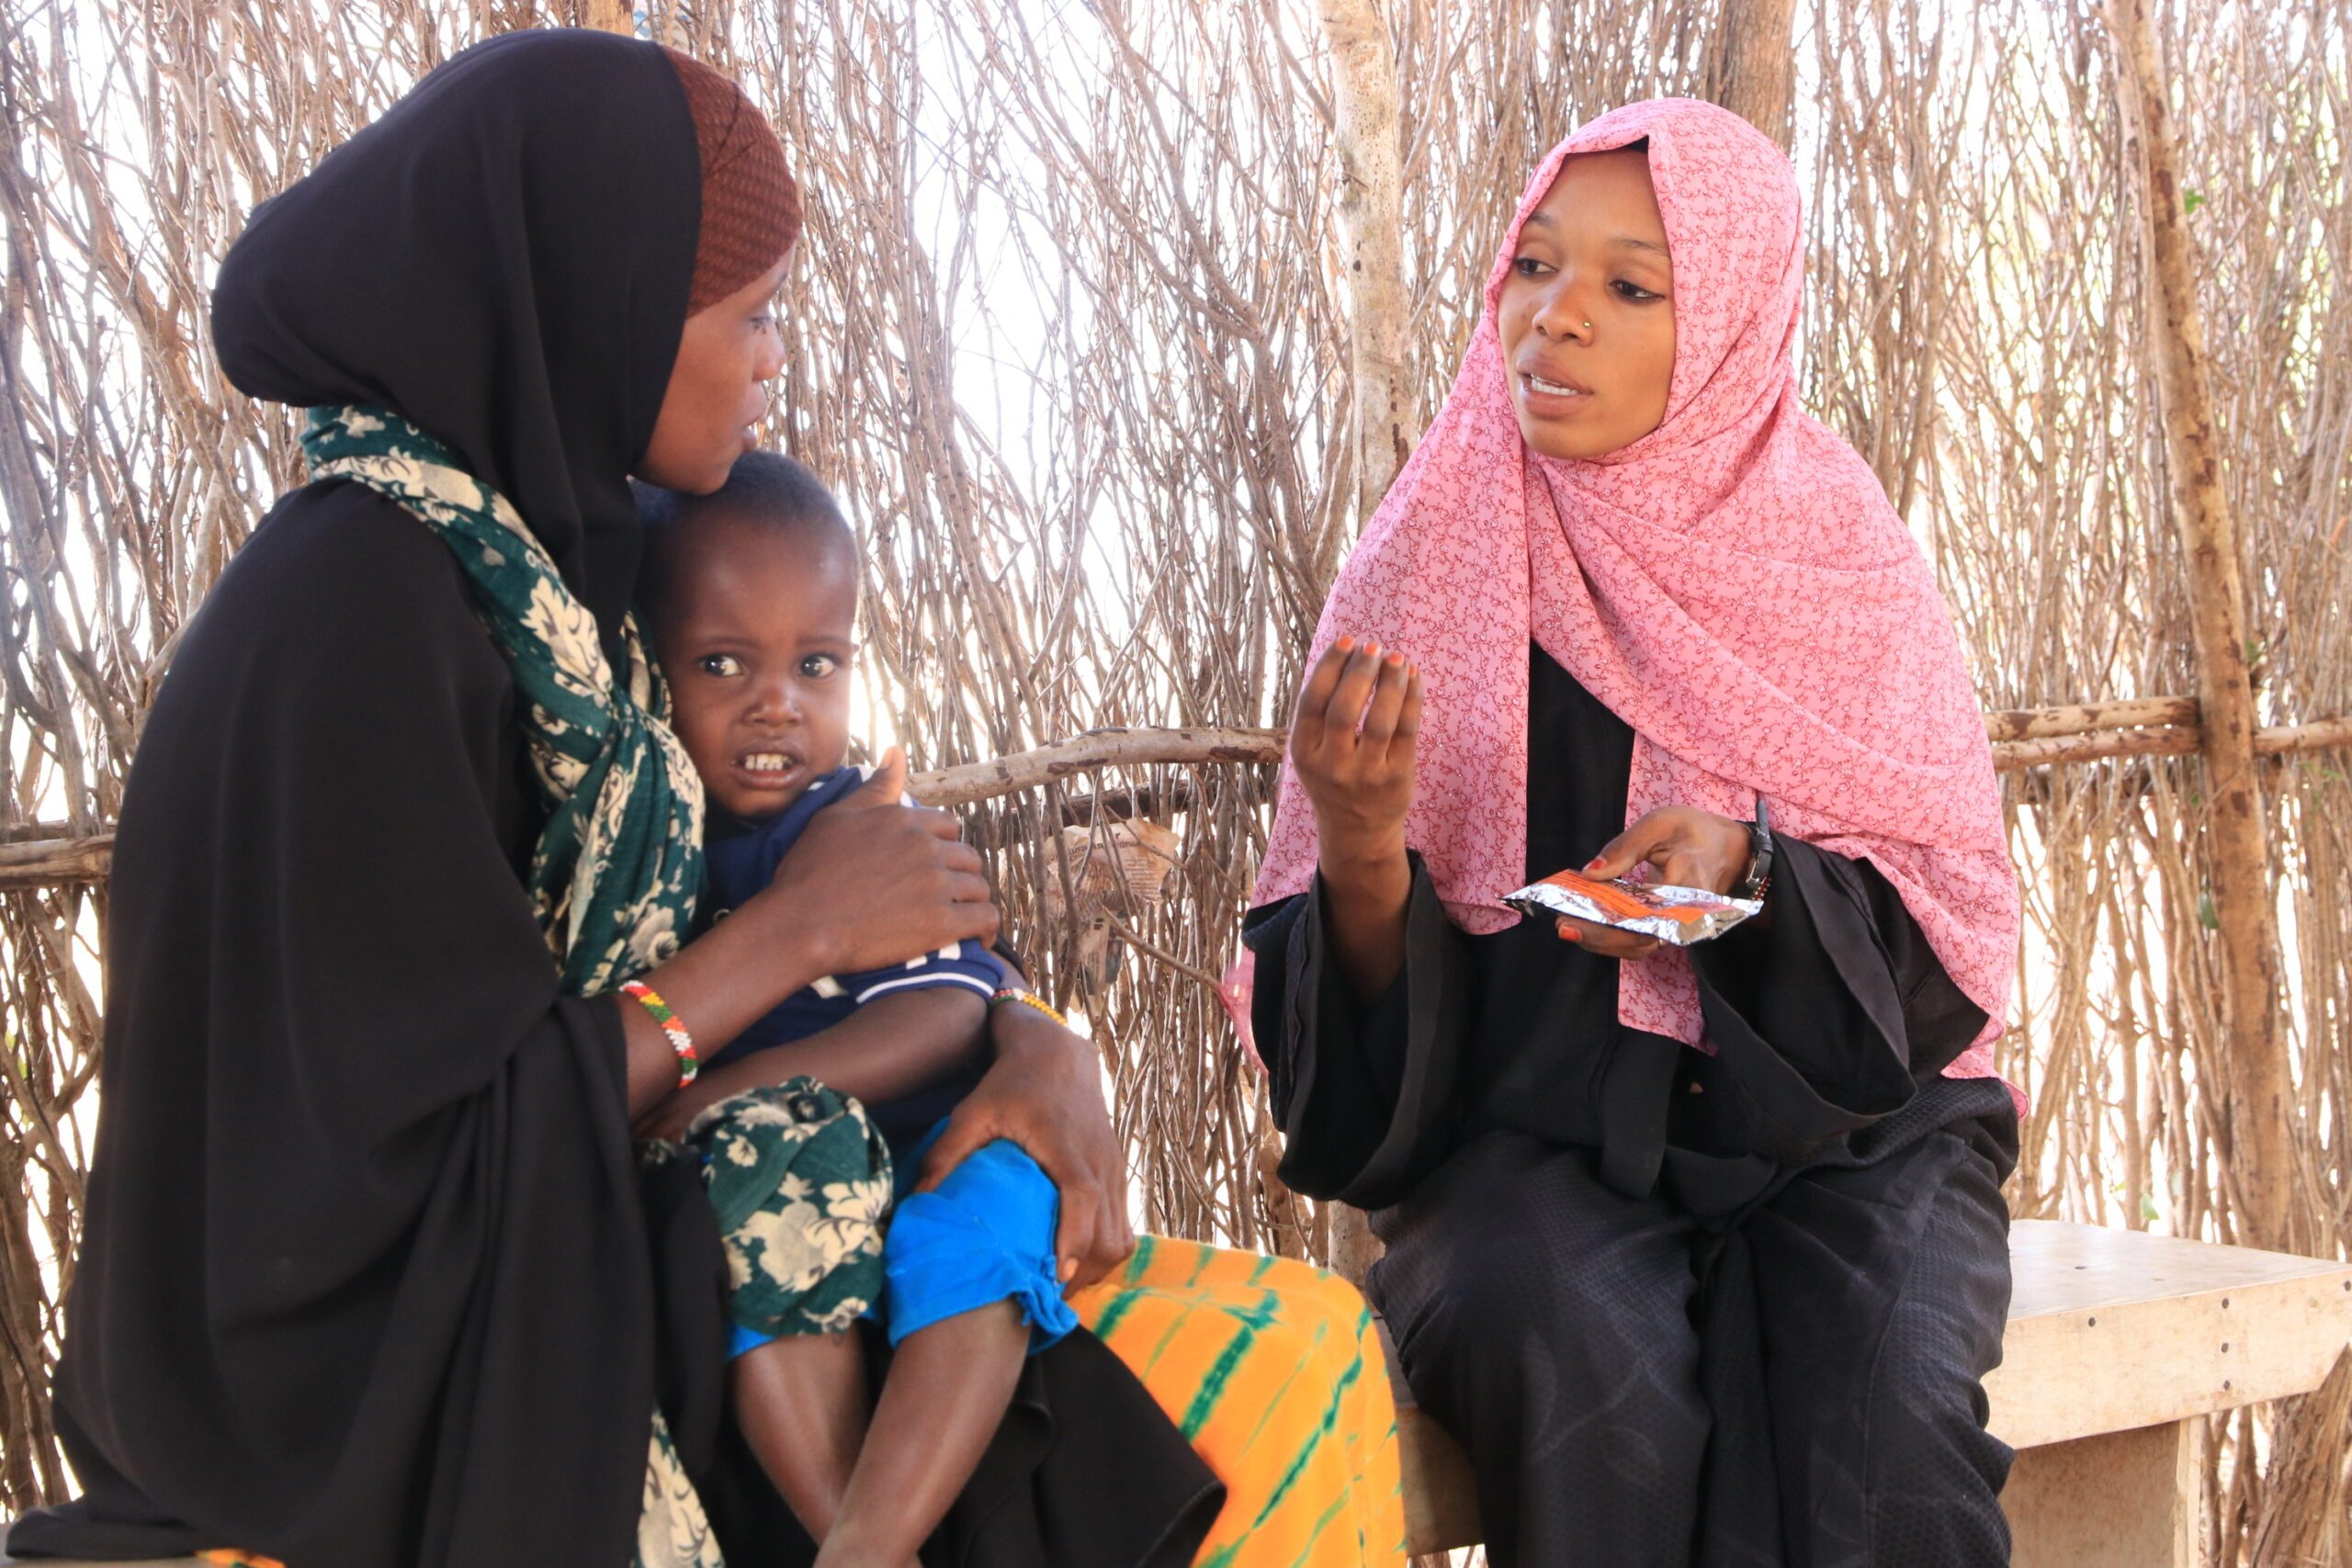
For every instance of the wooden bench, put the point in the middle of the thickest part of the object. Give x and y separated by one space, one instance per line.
2117 1341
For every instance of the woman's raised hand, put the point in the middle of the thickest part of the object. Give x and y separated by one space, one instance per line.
1351 740
881 881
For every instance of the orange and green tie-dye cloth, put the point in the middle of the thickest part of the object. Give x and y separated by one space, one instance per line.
1274 1370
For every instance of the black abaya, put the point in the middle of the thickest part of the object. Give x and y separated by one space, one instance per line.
1726 1310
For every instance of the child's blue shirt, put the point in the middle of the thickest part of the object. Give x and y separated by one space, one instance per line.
986 1234
741 863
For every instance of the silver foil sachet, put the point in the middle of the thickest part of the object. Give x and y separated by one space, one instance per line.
1678 914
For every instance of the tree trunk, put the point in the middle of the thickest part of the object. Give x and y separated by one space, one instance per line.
1752 66
1364 77
609 15
2260 1082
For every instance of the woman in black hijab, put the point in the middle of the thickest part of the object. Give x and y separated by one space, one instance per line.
367 1278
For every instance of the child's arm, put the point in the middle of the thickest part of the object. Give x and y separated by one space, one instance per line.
890 1046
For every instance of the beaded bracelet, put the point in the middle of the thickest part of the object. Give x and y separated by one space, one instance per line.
680 1041
1028 999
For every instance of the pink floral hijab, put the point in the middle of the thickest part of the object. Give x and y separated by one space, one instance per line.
1734 585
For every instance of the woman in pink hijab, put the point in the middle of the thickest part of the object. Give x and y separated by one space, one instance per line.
1700 1253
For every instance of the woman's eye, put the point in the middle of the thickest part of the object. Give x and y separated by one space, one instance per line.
1527 266
1633 291
721 665
817 666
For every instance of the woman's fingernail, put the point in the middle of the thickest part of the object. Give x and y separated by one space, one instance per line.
1595 864
1395 661
1570 933
1345 644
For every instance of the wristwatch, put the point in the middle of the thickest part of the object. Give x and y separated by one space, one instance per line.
1759 856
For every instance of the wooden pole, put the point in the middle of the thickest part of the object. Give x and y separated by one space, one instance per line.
1751 65
1372 223
608 15
2261 1082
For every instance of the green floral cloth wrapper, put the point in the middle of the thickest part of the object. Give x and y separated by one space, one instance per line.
673 1531
801 1183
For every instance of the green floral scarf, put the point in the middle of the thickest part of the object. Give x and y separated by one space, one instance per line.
618 866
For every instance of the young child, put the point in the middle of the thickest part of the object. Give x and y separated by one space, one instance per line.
752 598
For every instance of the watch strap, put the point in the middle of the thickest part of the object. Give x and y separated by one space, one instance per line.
1761 851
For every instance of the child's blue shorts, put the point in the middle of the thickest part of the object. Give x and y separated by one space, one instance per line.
984 1236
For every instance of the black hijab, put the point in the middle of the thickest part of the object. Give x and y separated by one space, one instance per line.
365 1279
505 259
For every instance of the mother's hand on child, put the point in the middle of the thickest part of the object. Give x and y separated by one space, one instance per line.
1045 1093
1351 740
1686 846
890 881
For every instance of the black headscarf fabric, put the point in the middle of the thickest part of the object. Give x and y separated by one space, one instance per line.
505 259
365 1278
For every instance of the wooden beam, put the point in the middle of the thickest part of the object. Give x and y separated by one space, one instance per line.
976 781
2077 718
2261 1081
2059 736
52 862
2315 737
2092 746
